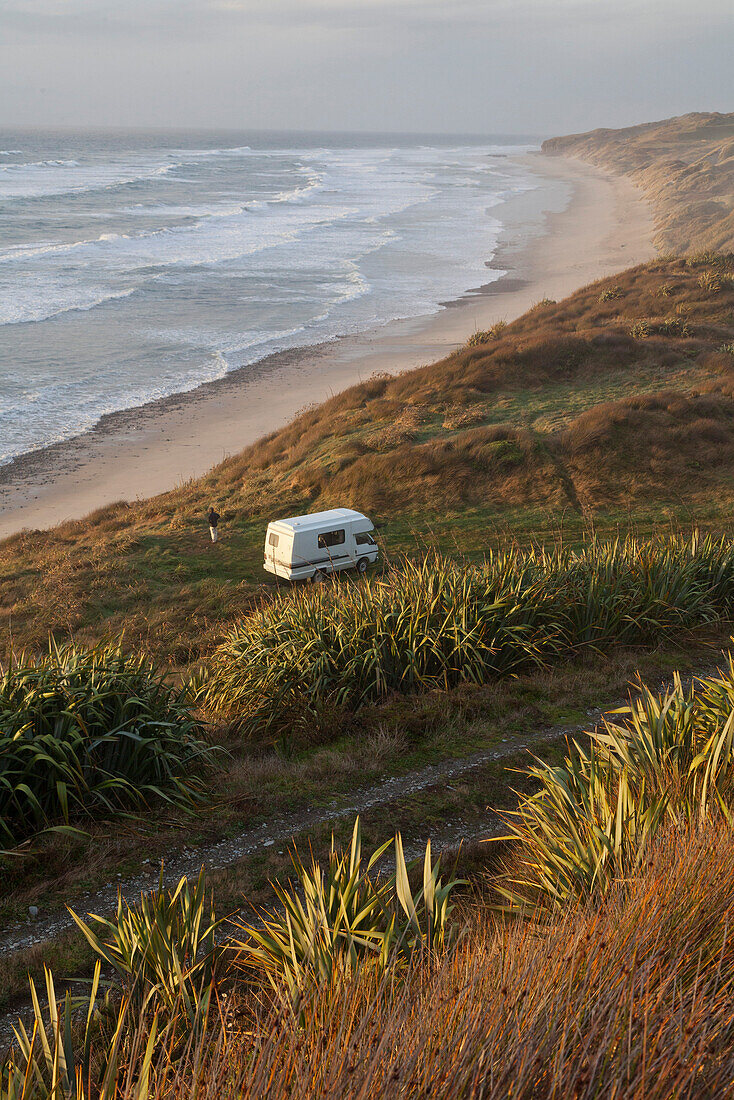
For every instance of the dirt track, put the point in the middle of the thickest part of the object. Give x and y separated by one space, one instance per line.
285 828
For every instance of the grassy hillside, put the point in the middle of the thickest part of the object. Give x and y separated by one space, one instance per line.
630 998
612 976
613 408
685 166
610 411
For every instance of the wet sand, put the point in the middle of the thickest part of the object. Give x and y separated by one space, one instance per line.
545 251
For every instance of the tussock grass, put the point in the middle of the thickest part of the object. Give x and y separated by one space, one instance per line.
437 623
90 731
628 997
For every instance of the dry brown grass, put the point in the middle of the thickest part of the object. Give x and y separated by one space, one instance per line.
460 416
628 999
558 414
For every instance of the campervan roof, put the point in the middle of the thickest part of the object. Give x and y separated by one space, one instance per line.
317 519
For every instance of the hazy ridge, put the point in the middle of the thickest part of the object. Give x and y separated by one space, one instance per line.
685 166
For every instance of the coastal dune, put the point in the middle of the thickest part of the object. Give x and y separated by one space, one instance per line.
606 226
685 167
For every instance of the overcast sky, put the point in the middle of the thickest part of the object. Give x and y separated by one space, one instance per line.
455 66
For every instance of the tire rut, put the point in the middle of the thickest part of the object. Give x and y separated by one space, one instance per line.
448 838
284 828
275 830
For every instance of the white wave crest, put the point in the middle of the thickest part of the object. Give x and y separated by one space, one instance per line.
39 304
44 179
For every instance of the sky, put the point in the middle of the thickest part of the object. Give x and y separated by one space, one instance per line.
428 66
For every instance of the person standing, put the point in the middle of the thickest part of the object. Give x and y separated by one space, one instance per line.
213 519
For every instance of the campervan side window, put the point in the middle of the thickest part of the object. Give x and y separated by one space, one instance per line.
273 539
331 538
364 539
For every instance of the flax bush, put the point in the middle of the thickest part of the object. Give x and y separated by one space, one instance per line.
710 282
345 919
63 1058
485 336
669 760
437 622
579 834
163 949
85 732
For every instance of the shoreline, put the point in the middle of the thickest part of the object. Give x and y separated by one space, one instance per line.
547 248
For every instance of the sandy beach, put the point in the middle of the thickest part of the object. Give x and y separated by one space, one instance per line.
606 226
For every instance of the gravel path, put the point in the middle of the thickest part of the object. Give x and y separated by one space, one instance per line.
281 829
275 830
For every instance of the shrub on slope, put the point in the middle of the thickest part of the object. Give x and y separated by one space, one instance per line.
90 731
436 623
346 918
592 819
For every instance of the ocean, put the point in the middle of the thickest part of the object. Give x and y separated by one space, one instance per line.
135 266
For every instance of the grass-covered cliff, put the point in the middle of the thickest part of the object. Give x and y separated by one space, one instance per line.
613 408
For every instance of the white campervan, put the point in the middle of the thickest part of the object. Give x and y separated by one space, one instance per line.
309 547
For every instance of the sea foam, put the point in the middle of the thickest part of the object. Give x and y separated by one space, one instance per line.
129 272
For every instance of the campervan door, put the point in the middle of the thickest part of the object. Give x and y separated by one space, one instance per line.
279 549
